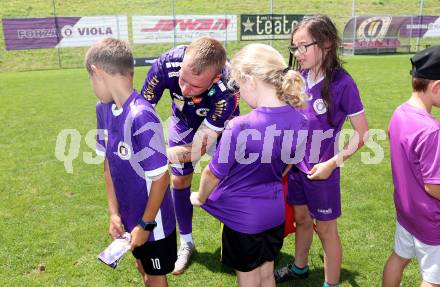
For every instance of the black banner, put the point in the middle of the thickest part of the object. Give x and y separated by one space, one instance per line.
267 26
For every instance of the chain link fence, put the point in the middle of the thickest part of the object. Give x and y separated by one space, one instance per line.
341 11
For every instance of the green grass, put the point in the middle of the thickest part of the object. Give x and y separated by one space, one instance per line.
339 10
54 223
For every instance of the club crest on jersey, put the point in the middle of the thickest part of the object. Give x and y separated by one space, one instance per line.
124 150
202 112
319 107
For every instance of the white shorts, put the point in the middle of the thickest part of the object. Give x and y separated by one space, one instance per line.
428 256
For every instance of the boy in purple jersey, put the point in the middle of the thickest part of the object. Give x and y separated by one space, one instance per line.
317 195
135 166
195 76
415 156
242 185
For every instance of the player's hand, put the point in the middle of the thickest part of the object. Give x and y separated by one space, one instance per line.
116 228
322 171
195 199
138 237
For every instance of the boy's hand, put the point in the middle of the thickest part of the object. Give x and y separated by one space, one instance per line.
116 228
138 237
322 171
195 199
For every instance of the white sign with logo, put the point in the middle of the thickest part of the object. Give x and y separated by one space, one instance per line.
88 30
185 28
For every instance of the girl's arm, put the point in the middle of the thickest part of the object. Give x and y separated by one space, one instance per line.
322 171
208 182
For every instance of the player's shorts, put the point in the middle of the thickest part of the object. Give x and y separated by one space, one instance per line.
245 252
322 197
428 256
158 257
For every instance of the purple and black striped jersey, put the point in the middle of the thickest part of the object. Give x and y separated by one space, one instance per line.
214 107
134 146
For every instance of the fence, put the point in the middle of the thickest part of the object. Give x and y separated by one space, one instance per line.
341 11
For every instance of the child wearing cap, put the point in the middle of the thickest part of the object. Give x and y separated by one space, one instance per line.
415 155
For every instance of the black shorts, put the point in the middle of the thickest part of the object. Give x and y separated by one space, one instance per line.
158 257
245 252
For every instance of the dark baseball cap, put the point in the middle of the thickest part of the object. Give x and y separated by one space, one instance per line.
426 64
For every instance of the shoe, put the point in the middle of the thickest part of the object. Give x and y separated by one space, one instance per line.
183 257
286 273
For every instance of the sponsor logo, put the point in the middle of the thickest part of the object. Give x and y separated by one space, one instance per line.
202 112
196 100
319 107
173 64
180 97
173 74
374 28
189 25
325 211
124 151
268 26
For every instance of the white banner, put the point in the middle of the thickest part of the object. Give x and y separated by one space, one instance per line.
162 29
88 30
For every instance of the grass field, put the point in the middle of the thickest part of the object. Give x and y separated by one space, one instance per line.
54 223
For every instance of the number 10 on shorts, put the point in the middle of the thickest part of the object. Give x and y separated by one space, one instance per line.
156 263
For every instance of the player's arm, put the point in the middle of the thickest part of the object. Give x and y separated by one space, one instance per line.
322 171
433 190
159 186
115 228
208 182
203 140
155 82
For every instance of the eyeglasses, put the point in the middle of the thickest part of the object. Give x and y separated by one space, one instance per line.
302 49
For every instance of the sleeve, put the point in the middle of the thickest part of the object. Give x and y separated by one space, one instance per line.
224 157
428 152
102 132
149 143
155 83
350 101
222 107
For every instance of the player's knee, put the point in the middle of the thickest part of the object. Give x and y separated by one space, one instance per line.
180 182
304 220
326 229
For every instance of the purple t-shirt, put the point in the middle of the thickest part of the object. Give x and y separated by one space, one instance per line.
213 107
135 150
415 156
345 101
249 162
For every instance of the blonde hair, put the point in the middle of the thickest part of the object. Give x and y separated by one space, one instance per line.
112 55
206 52
266 64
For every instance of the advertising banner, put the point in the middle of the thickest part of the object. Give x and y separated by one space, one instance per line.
184 28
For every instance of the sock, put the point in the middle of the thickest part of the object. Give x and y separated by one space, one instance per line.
297 270
329 285
184 209
185 238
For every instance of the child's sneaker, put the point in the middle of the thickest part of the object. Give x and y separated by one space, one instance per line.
290 272
183 256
